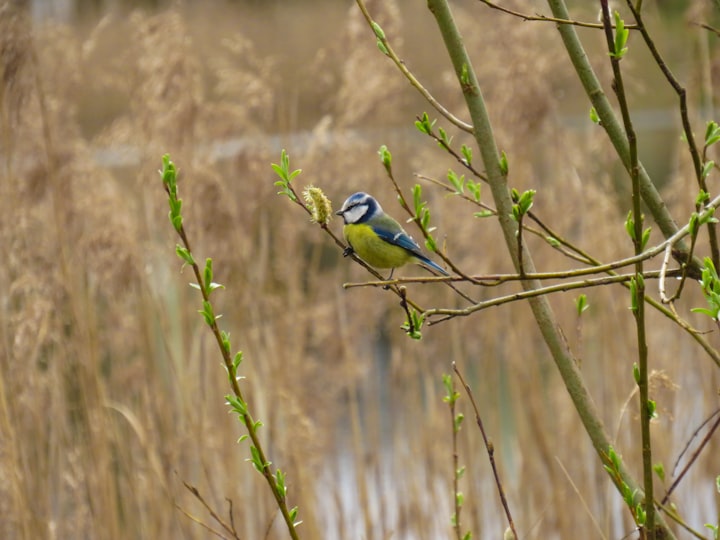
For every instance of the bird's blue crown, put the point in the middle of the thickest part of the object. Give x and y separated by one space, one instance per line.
355 202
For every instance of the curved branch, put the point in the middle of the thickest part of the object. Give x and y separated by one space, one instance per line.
545 18
410 77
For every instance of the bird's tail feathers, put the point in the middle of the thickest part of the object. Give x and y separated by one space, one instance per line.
432 266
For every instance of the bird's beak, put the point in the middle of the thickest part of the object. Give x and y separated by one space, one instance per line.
339 213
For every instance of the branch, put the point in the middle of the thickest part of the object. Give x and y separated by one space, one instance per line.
695 454
616 49
609 122
237 402
545 317
534 293
544 18
687 128
490 450
390 53
708 27
230 528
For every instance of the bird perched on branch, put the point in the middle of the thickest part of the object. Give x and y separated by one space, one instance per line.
377 238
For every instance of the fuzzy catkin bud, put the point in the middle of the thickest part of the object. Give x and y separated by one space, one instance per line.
318 204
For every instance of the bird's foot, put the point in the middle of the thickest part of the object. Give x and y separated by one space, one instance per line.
386 287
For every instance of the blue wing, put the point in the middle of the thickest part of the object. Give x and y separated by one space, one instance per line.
398 237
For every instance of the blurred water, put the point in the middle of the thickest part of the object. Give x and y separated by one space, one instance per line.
645 120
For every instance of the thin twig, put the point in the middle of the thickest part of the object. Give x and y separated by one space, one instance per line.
169 184
490 450
201 523
575 253
579 495
544 18
232 516
494 280
672 513
638 284
455 461
497 279
649 253
663 271
196 493
410 77
694 455
541 291
563 246
426 235
450 150
521 266
403 303
708 27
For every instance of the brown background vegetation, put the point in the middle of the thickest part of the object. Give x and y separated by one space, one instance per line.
111 392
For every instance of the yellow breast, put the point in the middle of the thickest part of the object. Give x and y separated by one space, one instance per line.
374 250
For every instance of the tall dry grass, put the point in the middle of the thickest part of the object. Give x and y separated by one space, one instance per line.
111 392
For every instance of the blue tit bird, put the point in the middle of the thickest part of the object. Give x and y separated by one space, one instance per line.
377 238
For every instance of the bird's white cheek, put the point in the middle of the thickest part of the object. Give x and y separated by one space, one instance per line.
355 213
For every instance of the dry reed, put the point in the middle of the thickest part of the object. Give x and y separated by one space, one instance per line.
110 390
